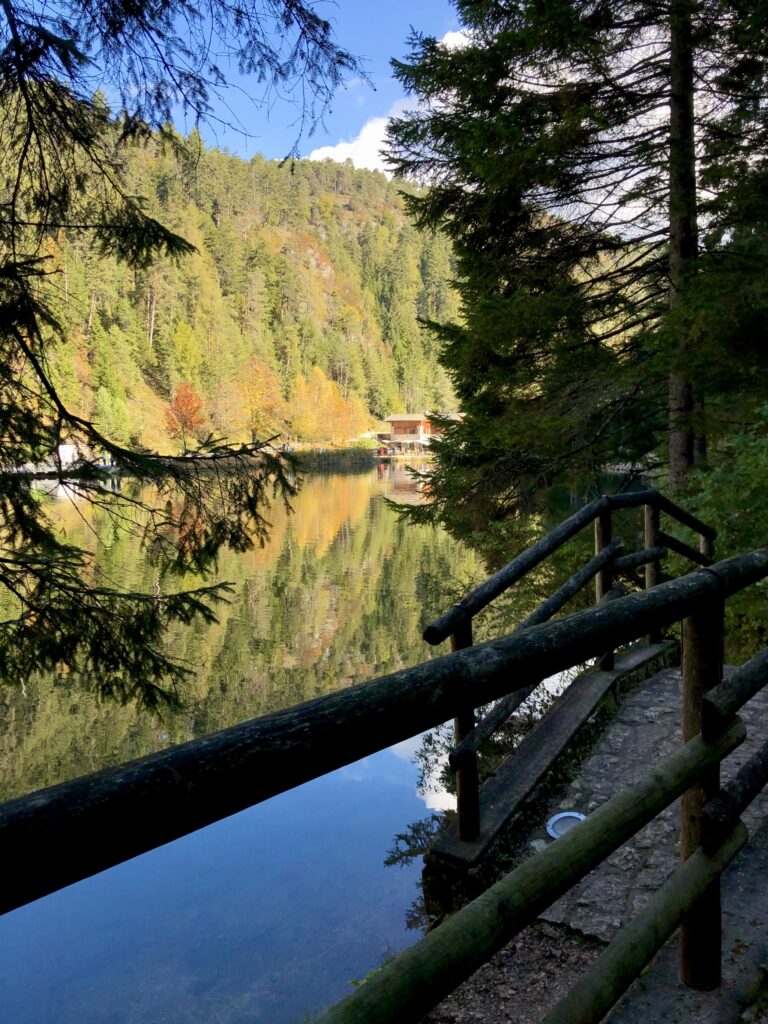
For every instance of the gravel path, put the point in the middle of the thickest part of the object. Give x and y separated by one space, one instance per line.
527 977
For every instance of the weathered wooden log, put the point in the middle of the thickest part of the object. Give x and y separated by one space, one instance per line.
487 726
700 934
625 563
665 504
721 703
637 943
469 606
632 499
652 569
467 784
668 541
100 820
724 810
572 586
411 984
474 602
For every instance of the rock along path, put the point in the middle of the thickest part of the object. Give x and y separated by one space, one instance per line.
645 729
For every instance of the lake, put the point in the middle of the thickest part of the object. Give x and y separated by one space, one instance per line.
266 916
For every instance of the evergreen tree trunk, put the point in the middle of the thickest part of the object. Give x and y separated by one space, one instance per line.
683 229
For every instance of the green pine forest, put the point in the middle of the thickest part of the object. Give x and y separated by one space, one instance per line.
296 315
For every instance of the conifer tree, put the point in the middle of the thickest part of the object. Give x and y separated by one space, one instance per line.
595 164
64 162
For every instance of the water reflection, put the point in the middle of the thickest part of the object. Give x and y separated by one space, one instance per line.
258 918
270 913
340 594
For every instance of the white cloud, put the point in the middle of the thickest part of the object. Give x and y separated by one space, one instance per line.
456 40
365 149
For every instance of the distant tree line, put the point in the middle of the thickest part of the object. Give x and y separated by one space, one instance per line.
304 276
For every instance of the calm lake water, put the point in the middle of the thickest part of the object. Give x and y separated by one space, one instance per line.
268 915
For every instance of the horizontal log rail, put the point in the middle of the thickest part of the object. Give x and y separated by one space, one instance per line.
102 819
494 586
457 621
635 559
411 984
417 980
721 703
638 942
722 813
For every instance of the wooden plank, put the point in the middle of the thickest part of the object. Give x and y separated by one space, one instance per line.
637 942
503 795
405 988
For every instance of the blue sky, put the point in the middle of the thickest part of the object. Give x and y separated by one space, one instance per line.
375 31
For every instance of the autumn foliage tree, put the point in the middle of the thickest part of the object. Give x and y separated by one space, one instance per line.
184 416
319 412
263 406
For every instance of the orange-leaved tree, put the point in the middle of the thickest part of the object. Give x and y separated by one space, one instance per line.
184 415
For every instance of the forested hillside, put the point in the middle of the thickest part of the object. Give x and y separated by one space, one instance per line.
297 313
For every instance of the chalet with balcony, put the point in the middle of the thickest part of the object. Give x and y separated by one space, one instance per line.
411 431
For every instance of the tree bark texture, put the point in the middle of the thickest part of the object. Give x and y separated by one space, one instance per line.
683 229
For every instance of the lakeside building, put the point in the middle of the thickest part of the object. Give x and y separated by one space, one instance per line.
412 431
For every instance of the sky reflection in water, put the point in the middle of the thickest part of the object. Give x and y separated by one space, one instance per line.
270 913
258 918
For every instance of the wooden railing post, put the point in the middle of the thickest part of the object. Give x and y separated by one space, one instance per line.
467 788
707 546
700 933
652 569
604 579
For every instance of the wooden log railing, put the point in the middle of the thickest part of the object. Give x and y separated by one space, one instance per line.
712 835
608 560
100 820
